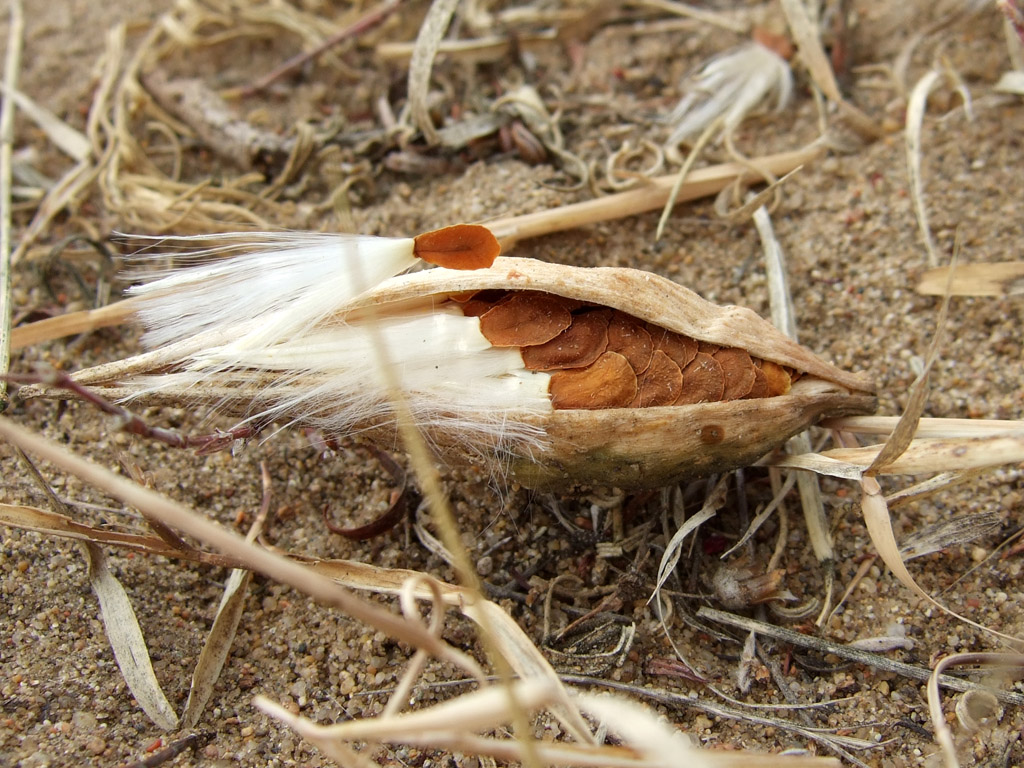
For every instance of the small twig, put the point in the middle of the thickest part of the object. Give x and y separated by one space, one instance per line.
193 741
372 18
131 423
403 501
853 654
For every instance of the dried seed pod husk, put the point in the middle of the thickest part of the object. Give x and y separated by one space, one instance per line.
548 446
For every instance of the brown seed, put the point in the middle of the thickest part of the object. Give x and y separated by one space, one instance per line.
525 318
682 349
628 337
661 384
474 304
463 246
577 346
708 348
760 387
739 372
703 381
608 383
777 377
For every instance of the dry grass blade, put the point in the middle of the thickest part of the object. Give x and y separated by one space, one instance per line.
12 64
808 41
126 640
920 457
54 524
71 142
784 318
878 522
916 106
674 548
997 279
904 431
427 43
225 624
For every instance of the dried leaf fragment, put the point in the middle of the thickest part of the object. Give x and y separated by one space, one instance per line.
525 319
608 383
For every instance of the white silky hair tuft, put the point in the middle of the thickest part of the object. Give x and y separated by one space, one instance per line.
272 284
272 331
731 86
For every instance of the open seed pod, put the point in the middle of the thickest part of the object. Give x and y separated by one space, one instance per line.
549 375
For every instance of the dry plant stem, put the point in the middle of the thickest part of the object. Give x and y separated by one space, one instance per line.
784 318
368 21
699 183
853 654
926 428
942 733
12 63
184 519
72 323
53 524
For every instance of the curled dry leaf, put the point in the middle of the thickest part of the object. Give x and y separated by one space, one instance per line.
549 375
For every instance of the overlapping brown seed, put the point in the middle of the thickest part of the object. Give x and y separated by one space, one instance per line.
604 358
739 372
577 346
661 384
682 349
524 319
629 337
608 383
777 377
703 381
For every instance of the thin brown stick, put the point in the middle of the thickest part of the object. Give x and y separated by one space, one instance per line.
372 18
853 654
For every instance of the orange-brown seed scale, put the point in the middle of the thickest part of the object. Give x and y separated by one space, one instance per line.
608 383
463 246
661 384
577 346
628 337
703 381
524 319
739 372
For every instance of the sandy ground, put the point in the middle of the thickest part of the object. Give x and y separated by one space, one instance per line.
847 226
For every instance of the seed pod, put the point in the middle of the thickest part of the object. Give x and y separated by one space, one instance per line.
551 376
